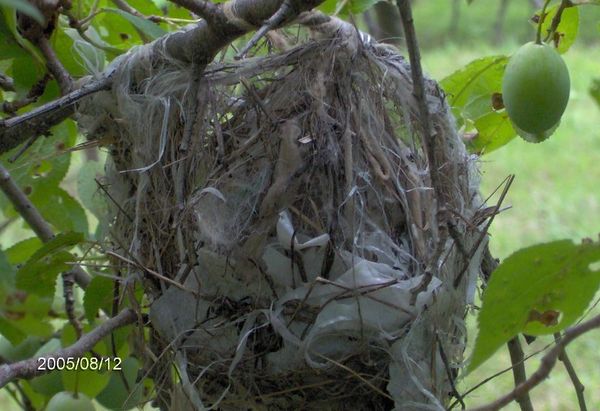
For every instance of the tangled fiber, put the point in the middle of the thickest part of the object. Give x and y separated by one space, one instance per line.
280 214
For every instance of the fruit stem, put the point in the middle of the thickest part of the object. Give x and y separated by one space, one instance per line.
538 37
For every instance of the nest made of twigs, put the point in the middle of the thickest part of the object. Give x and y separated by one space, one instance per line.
287 201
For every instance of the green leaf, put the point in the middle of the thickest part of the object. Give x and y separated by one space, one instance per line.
147 27
328 6
87 189
537 290
38 275
493 131
60 242
45 164
25 8
481 77
567 29
91 57
7 273
98 295
360 6
60 209
118 396
90 381
23 250
595 90
17 352
469 92
11 332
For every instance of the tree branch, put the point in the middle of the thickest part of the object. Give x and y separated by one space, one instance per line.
579 387
6 83
15 130
286 10
205 9
33 217
546 365
518 361
30 368
199 46
55 67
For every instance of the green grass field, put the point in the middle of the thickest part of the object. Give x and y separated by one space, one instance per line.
556 192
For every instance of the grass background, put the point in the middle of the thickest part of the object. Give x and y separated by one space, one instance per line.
556 192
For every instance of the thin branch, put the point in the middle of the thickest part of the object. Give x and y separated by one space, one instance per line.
205 9
509 182
285 11
6 83
557 17
419 88
579 387
55 67
538 36
518 361
200 45
427 139
30 368
547 363
33 217
15 130
450 373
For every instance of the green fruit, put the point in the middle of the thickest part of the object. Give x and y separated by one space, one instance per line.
535 90
66 401
51 383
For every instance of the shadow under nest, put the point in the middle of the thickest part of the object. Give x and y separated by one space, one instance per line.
280 215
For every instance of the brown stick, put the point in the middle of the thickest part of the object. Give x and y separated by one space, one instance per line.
547 364
31 367
579 387
518 361
33 217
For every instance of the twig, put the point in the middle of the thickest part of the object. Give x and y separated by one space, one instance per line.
285 11
519 374
6 83
55 67
556 19
199 44
538 36
427 140
419 88
517 359
30 368
547 363
33 217
11 107
579 387
68 281
449 372
509 182
15 130
205 9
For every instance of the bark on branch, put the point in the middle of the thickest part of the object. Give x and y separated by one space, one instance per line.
30 368
547 364
199 46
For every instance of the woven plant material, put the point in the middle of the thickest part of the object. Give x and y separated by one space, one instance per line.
279 213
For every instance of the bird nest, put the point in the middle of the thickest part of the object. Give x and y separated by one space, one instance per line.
280 214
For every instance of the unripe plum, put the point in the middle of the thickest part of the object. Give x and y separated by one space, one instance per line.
535 90
66 401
